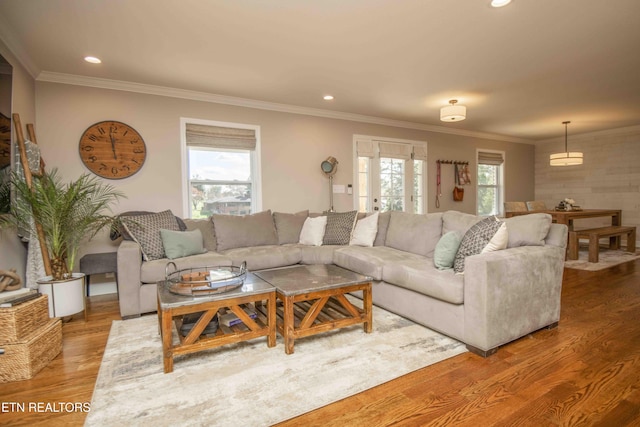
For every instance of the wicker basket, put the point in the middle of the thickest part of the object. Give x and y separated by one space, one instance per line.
16 323
23 360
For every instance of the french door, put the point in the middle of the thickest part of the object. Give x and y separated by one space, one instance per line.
390 174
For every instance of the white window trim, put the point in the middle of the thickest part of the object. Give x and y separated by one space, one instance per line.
408 189
501 178
256 170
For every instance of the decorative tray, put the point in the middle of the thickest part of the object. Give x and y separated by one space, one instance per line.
202 281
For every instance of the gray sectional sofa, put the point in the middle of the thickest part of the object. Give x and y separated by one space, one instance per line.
501 295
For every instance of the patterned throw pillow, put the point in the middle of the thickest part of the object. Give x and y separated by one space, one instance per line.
145 229
475 240
339 227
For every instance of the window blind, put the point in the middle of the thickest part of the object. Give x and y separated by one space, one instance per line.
365 148
395 151
419 152
486 158
220 137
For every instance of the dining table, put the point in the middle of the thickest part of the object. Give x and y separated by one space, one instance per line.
567 217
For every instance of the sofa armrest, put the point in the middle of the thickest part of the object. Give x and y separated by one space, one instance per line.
129 264
511 293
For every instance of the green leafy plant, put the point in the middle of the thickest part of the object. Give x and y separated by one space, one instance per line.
69 214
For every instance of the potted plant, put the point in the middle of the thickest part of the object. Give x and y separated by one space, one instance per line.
61 217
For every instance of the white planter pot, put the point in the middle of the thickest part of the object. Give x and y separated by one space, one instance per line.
66 297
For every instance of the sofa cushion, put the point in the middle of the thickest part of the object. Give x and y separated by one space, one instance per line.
421 277
475 240
339 228
499 240
178 244
317 254
383 226
154 271
458 221
118 230
414 233
206 228
365 231
370 261
528 230
289 226
446 249
261 257
145 230
234 231
313 231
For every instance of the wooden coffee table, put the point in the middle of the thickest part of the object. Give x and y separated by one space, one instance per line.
172 307
314 300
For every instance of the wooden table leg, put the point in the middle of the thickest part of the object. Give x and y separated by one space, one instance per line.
288 324
367 305
271 320
167 352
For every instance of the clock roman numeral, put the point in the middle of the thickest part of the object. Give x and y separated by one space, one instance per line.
93 137
101 130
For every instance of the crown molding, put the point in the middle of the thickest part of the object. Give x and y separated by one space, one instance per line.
77 80
16 49
629 130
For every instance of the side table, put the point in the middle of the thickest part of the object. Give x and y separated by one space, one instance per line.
100 263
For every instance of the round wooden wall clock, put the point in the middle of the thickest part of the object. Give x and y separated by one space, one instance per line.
112 150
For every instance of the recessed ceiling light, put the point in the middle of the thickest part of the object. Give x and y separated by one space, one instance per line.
92 59
328 97
500 3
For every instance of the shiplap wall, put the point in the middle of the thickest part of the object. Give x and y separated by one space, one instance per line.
609 178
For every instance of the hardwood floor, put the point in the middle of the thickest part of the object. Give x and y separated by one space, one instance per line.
585 372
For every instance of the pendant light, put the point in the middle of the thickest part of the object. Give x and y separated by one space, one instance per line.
453 112
568 158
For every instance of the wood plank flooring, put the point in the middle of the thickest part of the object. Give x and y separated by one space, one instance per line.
586 372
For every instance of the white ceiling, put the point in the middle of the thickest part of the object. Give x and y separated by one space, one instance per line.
521 70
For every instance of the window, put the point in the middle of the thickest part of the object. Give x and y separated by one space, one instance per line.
390 174
221 166
490 183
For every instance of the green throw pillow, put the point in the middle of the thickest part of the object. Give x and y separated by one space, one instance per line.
178 244
446 250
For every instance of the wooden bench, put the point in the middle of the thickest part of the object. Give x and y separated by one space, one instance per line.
614 233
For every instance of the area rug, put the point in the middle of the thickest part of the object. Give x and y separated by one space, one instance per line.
249 384
607 258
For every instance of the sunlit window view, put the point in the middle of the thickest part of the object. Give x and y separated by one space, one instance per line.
391 184
220 182
488 190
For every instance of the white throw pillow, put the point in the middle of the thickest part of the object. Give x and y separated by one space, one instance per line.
365 231
499 240
313 231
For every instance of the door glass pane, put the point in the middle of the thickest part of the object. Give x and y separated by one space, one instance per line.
418 186
391 184
363 184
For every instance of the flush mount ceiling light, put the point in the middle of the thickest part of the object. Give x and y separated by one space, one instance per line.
500 3
328 97
568 158
92 59
453 112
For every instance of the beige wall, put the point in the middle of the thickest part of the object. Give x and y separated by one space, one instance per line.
608 179
12 251
292 147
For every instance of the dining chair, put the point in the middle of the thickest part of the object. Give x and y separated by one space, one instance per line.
536 205
515 207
